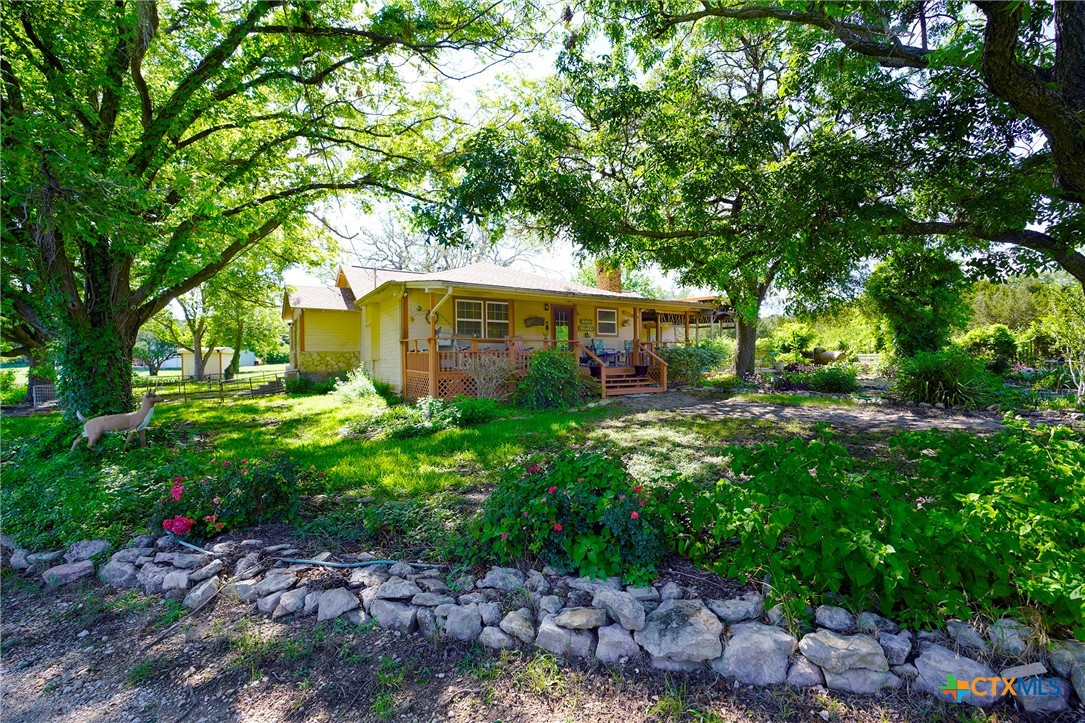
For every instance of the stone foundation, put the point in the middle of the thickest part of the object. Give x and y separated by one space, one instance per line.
327 362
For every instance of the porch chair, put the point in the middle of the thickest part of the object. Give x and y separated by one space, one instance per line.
608 356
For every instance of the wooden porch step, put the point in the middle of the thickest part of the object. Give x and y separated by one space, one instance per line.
632 390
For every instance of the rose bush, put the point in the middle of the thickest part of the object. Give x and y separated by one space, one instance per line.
224 494
574 511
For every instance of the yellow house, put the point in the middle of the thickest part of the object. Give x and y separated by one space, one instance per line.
424 333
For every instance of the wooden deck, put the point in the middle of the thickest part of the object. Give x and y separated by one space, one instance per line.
444 368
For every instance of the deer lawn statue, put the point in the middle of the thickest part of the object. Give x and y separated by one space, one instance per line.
134 422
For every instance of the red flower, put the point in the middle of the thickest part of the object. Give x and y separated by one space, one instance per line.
177 490
179 525
638 488
226 463
244 461
217 501
558 527
504 535
635 514
244 471
210 518
552 490
542 500
533 468
219 526
178 480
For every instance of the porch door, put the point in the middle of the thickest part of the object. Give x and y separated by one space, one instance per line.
561 321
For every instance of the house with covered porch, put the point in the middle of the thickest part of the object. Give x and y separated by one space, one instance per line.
420 332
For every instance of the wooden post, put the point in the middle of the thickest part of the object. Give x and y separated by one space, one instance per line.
432 346
403 341
687 327
635 356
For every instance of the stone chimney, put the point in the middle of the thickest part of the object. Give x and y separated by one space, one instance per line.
608 277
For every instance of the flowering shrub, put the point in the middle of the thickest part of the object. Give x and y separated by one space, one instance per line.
575 511
227 494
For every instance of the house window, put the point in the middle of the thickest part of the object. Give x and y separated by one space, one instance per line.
468 318
497 319
606 322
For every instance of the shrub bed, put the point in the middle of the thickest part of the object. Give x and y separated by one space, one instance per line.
949 377
967 520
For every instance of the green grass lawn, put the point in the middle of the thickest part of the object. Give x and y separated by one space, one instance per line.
52 496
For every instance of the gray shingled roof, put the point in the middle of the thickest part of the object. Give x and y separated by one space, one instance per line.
331 298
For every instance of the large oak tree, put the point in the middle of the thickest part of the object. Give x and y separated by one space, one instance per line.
146 146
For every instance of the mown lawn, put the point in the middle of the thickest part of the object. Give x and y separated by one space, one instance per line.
52 496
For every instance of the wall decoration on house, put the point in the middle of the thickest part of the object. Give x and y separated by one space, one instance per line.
534 321
586 323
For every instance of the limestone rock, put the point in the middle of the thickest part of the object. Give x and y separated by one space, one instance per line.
495 638
491 613
676 666
897 648
176 580
44 558
593 585
670 591
550 604
426 621
395 615
836 653
291 602
520 625
873 624
203 592
19 559
400 569
427 599
615 643
85 550
834 618
212 568
537 582
463 623
334 603
118 574
68 572
1009 636
857 680
275 582
183 560
747 607
1043 695
356 617
243 590
643 594
503 578
552 637
246 563
1065 654
581 618
622 608
936 662
268 604
681 630
907 671
756 654
150 577
312 602
966 636
1077 679
581 644
366 577
432 584
804 674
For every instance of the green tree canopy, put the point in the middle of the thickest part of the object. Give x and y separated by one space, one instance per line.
146 146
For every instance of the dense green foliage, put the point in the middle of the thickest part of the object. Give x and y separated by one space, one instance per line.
949 377
553 381
920 293
994 344
225 494
834 379
427 416
688 364
963 521
577 512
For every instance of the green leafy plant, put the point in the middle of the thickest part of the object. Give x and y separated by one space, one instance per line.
474 410
553 381
687 364
575 511
950 377
970 520
836 379
305 385
356 386
226 494
994 344
427 416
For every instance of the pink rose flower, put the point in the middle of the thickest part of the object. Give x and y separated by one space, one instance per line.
179 525
558 527
552 490
177 491
635 514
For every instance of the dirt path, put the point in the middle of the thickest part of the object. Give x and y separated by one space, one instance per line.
868 417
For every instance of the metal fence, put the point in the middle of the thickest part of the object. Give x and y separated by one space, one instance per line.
179 388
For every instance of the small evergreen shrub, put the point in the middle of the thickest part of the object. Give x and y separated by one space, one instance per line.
836 379
304 385
474 411
687 364
553 381
950 377
994 344
575 511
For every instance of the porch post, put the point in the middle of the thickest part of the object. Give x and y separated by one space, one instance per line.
687 327
432 346
403 340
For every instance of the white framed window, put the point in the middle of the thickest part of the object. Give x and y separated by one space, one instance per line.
606 322
469 318
497 319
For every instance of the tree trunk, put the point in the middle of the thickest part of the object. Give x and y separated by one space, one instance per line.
746 345
35 375
235 364
197 353
94 368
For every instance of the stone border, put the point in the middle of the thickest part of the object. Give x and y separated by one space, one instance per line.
668 626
